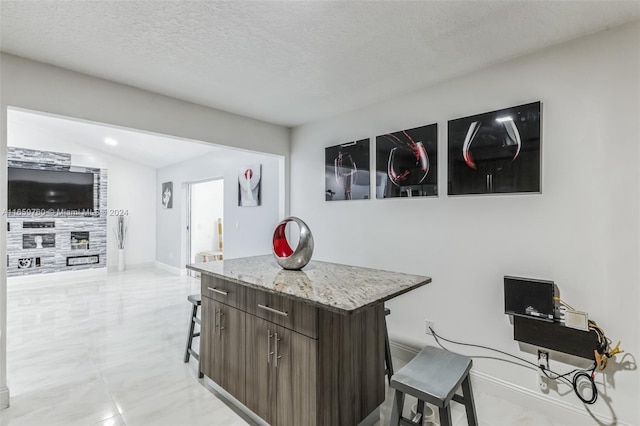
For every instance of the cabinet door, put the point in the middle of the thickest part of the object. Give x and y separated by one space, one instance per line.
227 349
260 394
207 329
295 358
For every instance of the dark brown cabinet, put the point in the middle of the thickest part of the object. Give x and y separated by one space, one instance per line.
207 321
260 382
289 362
223 353
281 373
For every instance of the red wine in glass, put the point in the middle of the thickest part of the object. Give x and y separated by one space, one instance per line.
408 165
490 146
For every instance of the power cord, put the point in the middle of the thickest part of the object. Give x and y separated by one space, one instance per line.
579 377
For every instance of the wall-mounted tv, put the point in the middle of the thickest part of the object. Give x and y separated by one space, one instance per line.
36 189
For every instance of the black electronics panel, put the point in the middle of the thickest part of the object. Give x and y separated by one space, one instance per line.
530 298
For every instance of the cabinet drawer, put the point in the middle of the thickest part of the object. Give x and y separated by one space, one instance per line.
296 316
223 291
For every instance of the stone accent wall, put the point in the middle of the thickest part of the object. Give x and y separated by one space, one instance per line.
27 260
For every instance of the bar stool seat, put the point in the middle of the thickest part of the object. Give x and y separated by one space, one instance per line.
433 376
195 300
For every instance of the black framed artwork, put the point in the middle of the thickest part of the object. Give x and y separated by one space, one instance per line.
495 152
347 171
407 163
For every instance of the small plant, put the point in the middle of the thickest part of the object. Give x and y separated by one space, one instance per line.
120 231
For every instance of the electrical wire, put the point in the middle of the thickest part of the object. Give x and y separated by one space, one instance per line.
564 303
579 374
437 337
594 390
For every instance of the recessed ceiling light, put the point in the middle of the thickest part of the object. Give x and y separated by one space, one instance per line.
110 141
503 119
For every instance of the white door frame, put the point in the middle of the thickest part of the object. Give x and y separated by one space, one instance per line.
189 192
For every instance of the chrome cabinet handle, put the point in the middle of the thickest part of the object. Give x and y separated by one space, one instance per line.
269 353
219 320
275 311
277 357
224 293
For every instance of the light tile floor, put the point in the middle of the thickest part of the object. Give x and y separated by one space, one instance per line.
107 350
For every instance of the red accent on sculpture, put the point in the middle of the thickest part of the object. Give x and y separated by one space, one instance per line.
280 244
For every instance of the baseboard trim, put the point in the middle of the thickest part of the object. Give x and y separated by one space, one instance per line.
4 398
561 411
144 265
172 269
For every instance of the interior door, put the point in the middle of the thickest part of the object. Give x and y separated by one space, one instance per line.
205 208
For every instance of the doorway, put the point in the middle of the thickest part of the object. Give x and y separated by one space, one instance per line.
205 221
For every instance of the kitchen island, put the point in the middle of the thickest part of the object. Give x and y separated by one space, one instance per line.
298 347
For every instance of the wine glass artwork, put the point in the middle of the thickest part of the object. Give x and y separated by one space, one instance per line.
408 162
490 145
495 152
347 171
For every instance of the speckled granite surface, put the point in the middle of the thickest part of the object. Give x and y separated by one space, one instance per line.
340 288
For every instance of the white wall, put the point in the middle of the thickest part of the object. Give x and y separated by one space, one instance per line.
247 230
207 205
40 87
582 231
131 187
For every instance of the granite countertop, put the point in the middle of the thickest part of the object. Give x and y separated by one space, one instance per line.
340 288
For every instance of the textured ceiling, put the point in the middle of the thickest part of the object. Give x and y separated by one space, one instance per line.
292 62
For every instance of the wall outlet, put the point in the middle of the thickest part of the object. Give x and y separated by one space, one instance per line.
428 324
543 365
543 359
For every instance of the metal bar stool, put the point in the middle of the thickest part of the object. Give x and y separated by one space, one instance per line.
387 349
195 300
433 376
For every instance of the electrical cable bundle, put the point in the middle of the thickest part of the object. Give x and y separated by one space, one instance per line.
603 352
579 375
581 378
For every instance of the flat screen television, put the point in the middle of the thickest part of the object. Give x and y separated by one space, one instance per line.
35 189
530 298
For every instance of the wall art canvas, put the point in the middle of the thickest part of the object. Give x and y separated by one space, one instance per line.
495 152
167 195
407 163
249 185
347 171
